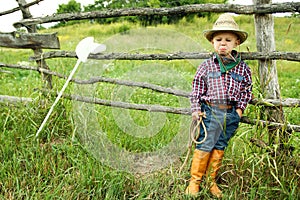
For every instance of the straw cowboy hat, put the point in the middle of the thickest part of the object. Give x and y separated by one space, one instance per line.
226 23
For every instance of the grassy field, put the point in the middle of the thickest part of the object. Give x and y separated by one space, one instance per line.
78 156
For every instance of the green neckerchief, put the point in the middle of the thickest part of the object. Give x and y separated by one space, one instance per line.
227 64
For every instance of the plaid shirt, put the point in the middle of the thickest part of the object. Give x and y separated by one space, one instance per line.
211 85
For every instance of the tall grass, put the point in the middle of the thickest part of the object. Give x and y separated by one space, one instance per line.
59 166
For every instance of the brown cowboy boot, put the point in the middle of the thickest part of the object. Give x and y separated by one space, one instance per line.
214 164
198 169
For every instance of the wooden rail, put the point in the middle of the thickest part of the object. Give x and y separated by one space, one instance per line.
288 102
29 40
18 8
195 8
290 56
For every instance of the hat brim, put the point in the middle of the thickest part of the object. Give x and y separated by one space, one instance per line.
241 34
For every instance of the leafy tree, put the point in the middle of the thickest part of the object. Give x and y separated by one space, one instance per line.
71 7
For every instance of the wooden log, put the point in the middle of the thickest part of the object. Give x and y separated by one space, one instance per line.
14 100
29 40
37 51
18 8
269 84
264 26
288 102
290 56
158 108
195 8
145 107
271 124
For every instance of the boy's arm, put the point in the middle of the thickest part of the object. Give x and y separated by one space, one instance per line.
198 90
246 91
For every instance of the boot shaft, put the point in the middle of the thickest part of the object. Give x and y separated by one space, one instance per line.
198 169
214 163
199 163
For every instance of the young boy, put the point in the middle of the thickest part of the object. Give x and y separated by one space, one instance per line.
221 89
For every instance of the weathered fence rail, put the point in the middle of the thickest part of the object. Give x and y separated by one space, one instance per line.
29 40
196 8
147 107
18 8
288 102
290 56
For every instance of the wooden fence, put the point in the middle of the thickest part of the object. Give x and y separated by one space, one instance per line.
33 40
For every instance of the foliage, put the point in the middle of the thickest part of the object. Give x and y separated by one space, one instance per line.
58 166
295 15
71 7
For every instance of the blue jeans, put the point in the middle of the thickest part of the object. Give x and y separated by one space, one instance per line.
220 124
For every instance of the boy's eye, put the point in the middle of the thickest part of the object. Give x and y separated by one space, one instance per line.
219 40
227 40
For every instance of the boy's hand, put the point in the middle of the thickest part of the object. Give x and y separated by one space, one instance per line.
240 112
196 115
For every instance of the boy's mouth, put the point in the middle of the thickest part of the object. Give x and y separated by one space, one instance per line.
222 49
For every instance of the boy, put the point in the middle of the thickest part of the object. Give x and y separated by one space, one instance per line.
221 89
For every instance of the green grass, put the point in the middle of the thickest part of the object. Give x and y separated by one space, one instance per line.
65 164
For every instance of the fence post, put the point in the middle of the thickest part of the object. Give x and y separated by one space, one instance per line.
269 85
37 52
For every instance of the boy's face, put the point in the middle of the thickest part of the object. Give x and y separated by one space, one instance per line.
225 42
